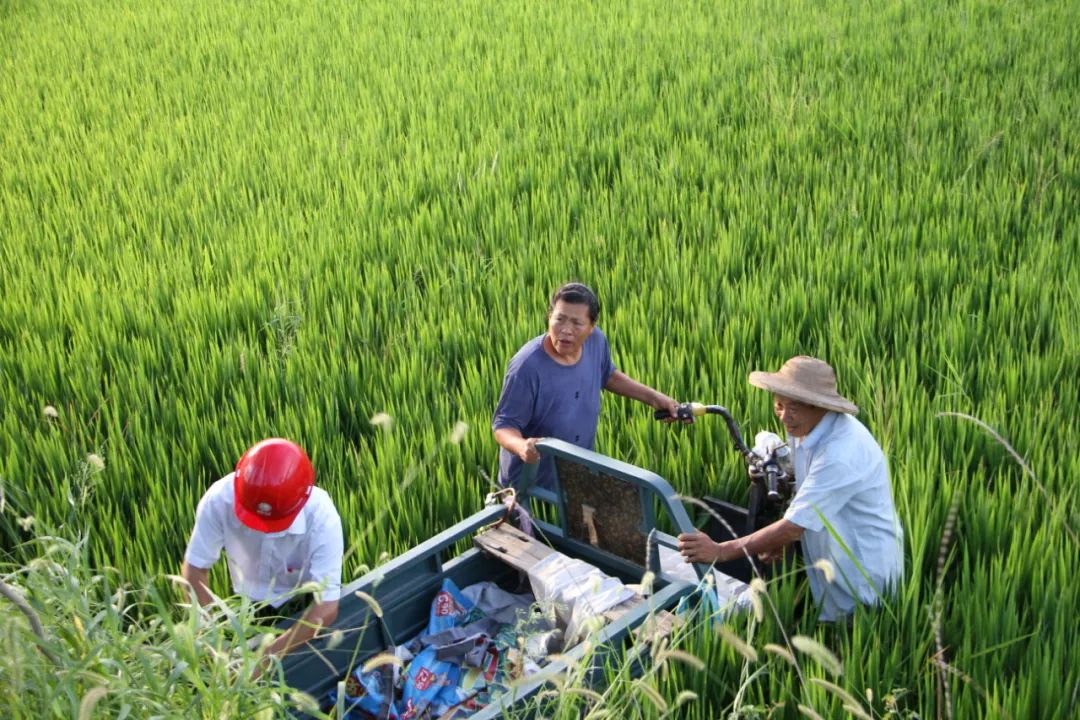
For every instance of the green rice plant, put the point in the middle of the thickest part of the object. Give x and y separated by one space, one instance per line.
225 221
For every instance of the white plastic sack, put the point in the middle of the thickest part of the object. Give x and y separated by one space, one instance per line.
732 595
578 590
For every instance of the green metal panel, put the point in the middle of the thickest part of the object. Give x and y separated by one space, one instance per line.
651 488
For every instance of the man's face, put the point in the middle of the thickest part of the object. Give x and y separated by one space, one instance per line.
797 417
568 327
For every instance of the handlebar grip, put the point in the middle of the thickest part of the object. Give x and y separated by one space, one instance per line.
771 493
686 411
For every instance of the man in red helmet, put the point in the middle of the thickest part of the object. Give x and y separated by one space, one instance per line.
278 531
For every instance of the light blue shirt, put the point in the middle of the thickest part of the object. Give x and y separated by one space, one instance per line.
841 480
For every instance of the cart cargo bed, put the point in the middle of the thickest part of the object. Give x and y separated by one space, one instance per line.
604 513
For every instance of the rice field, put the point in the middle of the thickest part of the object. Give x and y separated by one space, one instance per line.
221 221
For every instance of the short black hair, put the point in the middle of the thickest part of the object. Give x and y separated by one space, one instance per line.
576 293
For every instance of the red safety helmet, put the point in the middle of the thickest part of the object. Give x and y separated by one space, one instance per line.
273 483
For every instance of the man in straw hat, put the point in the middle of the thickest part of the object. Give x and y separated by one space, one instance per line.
843 509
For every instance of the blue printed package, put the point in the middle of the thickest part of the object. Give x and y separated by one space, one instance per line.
448 609
371 692
429 682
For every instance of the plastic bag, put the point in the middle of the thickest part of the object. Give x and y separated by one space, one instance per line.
578 590
449 609
371 693
457 664
430 681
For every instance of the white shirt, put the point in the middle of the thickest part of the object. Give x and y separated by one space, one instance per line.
266 566
841 477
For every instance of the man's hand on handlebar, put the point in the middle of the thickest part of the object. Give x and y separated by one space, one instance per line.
675 412
666 408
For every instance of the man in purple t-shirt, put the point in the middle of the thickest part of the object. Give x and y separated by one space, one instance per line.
552 386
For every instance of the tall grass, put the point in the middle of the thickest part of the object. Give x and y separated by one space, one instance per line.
88 644
224 221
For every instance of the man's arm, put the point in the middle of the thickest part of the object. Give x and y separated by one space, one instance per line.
700 548
316 617
206 542
511 440
622 384
199 579
514 411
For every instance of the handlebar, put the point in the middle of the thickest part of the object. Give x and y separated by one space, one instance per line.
767 467
690 410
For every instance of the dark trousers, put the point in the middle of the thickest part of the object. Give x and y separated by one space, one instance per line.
270 615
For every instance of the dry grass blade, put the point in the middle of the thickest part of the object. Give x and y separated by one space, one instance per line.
335 639
305 703
382 420
943 689
90 700
781 651
561 658
845 697
371 602
178 580
857 711
682 656
457 434
1023 464
586 693
382 659
35 624
820 653
647 581
738 643
757 591
653 695
684 697
826 569
999 711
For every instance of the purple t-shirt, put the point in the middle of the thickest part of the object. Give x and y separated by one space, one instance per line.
541 398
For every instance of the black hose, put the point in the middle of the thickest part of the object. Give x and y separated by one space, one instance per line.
733 430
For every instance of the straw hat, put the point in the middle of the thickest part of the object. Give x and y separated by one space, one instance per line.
808 380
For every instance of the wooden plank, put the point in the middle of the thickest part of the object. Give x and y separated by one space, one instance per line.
512 546
614 613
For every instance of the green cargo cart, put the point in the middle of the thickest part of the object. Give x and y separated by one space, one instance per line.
601 511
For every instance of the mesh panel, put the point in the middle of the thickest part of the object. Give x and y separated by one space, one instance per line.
617 504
